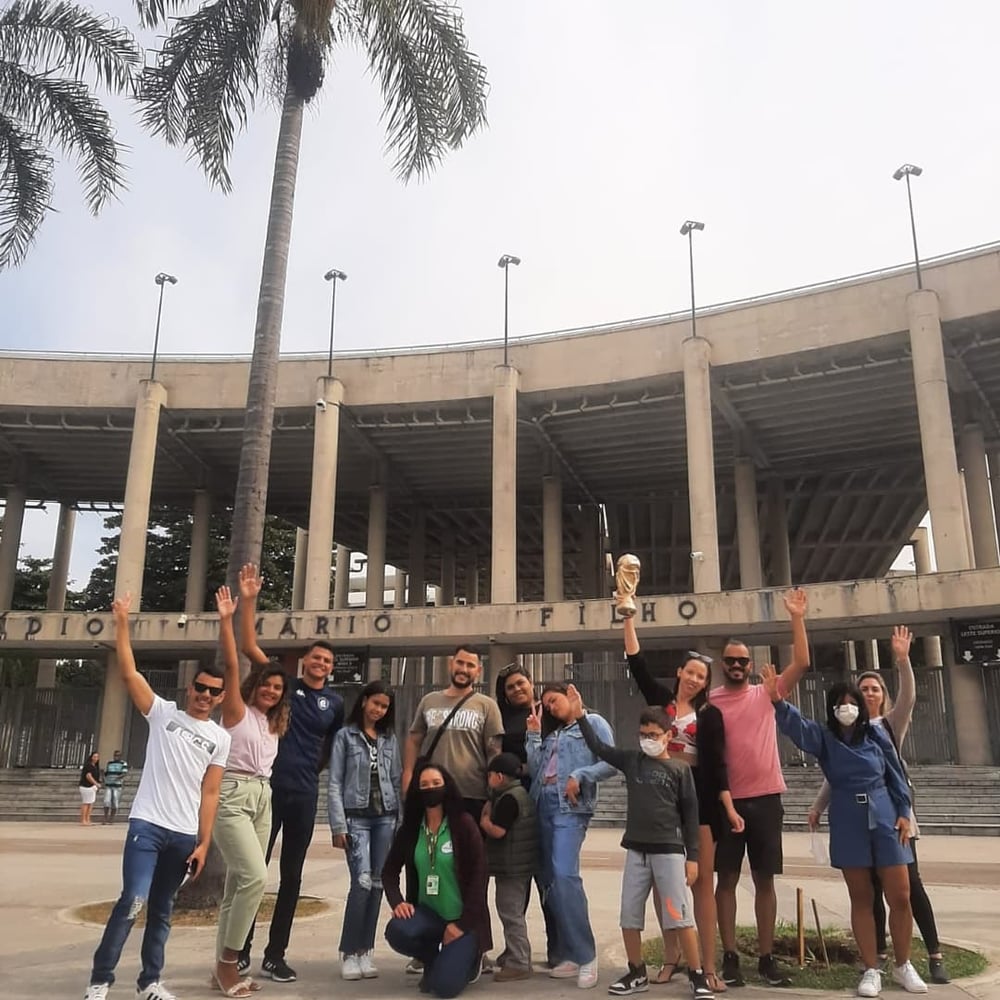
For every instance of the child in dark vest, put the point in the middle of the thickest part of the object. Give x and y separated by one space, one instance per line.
508 821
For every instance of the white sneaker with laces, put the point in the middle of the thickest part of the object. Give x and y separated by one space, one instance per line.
586 978
564 970
154 991
871 983
908 977
97 991
368 970
350 967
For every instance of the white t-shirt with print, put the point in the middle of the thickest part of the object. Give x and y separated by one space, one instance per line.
179 752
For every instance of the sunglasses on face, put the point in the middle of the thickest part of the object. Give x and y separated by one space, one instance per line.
736 661
693 654
207 689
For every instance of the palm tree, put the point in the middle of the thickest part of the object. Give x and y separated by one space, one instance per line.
203 87
49 49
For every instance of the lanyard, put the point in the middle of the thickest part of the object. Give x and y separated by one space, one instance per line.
432 842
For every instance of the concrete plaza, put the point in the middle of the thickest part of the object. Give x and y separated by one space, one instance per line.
50 867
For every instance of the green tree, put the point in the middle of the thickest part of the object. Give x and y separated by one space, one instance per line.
53 56
202 88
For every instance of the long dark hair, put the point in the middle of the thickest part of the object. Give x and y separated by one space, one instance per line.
500 689
413 806
356 717
834 697
700 700
279 713
549 722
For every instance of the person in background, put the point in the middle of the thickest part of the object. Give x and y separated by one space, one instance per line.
894 717
564 776
90 783
363 802
869 819
114 781
511 829
443 921
255 714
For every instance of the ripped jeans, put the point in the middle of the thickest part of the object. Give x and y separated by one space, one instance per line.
369 840
153 865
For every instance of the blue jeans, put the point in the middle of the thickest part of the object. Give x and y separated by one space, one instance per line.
153 866
561 835
368 843
447 970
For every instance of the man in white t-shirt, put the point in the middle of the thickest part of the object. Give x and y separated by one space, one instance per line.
171 821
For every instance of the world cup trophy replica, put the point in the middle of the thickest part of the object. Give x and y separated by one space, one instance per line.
626 584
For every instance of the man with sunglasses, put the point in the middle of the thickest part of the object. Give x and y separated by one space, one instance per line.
756 784
172 816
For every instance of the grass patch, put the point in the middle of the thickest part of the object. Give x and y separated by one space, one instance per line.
98 913
844 960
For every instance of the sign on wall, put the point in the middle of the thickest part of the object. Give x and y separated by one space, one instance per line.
350 666
977 642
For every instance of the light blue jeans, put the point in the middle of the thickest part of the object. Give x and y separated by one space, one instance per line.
562 835
368 843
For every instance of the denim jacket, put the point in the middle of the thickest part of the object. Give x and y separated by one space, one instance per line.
575 761
350 775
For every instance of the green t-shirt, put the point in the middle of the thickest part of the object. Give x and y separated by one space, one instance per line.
434 858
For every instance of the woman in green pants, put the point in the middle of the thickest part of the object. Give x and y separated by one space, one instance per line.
255 714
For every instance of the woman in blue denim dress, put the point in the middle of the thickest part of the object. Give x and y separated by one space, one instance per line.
564 775
363 802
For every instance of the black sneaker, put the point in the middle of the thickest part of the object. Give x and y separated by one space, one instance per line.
768 970
278 970
939 974
700 989
633 981
731 974
243 963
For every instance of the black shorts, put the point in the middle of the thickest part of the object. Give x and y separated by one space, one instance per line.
763 817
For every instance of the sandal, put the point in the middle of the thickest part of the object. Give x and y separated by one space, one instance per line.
676 967
238 991
251 984
716 982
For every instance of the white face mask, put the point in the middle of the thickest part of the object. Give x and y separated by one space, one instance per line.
847 714
650 747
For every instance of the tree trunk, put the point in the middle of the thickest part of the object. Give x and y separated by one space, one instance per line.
255 455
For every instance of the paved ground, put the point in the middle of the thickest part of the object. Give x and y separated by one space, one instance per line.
50 867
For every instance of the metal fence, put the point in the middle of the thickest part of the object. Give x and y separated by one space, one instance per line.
48 727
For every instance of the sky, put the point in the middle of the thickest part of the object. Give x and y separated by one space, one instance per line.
778 123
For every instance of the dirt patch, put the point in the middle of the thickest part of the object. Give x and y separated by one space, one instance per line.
98 913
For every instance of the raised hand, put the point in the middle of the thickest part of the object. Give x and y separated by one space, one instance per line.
225 603
796 603
121 607
575 701
534 721
901 639
769 679
250 582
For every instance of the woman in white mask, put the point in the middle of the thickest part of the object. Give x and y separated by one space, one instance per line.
869 819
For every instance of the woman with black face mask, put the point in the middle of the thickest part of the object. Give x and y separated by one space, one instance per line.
444 920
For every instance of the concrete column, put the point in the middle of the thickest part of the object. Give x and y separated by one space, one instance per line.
777 518
937 436
591 572
10 543
920 540
323 494
132 549
972 455
472 578
499 657
417 594
55 599
378 509
851 656
299 569
701 466
552 538
747 524
968 708
342 580
869 654
197 574
448 568
399 589
503 586
994 463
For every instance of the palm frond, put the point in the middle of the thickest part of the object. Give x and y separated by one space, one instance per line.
25 190
66 113
204 83
434 87
65 38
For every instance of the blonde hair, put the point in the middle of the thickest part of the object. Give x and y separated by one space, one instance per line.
886 705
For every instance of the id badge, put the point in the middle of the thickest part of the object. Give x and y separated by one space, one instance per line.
432 885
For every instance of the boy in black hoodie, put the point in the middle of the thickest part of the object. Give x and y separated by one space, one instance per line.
661 838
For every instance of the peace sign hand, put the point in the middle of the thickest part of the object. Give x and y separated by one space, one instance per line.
534 723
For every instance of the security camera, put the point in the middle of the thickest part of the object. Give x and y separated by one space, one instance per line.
493 638
698 556
182 620
321 404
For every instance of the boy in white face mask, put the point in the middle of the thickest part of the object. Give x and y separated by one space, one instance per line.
661 838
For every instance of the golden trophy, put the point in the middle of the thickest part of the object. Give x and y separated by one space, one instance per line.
626 583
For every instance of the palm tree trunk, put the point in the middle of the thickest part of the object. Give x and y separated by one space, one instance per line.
258 422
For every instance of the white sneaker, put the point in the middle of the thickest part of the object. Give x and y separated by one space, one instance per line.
368 970
414 967
564 970
97 991
586 978
871 983
154 991
908 978
350 967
